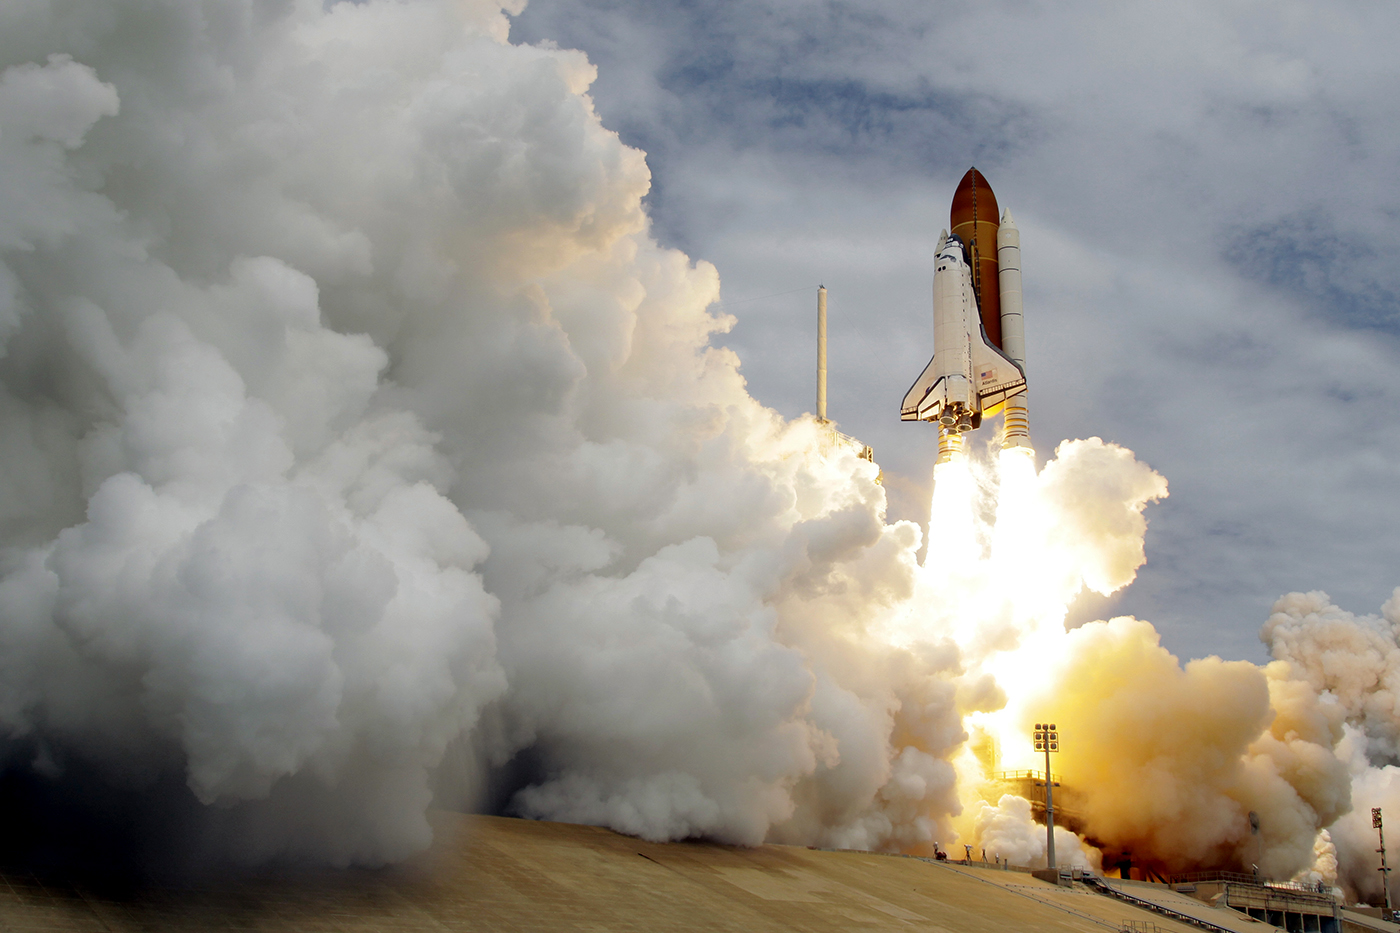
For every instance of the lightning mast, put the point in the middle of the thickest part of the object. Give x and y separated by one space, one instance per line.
821 352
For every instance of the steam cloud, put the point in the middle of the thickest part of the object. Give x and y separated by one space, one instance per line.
363 450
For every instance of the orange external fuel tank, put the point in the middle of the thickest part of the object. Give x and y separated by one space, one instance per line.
974 220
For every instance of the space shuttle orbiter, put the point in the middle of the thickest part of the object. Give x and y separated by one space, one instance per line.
979 348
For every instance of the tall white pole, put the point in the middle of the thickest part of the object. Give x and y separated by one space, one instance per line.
821 352
1049 812
1047 739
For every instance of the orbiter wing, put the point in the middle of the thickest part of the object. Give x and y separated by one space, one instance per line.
913 408
995 377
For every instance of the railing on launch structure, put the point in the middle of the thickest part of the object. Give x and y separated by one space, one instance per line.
1286 904
866 452
1235 877
1138 926
835 438
1031 786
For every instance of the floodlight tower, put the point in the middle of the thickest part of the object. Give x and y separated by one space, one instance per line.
1048 740
1385 872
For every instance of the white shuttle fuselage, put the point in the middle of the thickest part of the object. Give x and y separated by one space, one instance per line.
968 378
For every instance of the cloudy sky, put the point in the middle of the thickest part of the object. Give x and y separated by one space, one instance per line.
1207 197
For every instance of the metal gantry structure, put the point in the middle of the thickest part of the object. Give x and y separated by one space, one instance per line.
1048 740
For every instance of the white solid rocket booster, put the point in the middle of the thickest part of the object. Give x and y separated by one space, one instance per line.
1016 424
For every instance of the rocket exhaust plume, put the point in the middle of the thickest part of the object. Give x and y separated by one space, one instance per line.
364 453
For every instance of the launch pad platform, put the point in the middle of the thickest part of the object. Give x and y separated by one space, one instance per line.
497 874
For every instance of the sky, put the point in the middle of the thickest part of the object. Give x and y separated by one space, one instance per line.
1207 200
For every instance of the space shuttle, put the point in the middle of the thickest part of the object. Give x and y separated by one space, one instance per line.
978 368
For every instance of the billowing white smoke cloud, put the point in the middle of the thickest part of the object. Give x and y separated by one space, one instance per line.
362 449
1323 870
1354 662
1007 832
354 419
220 538
1354 659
